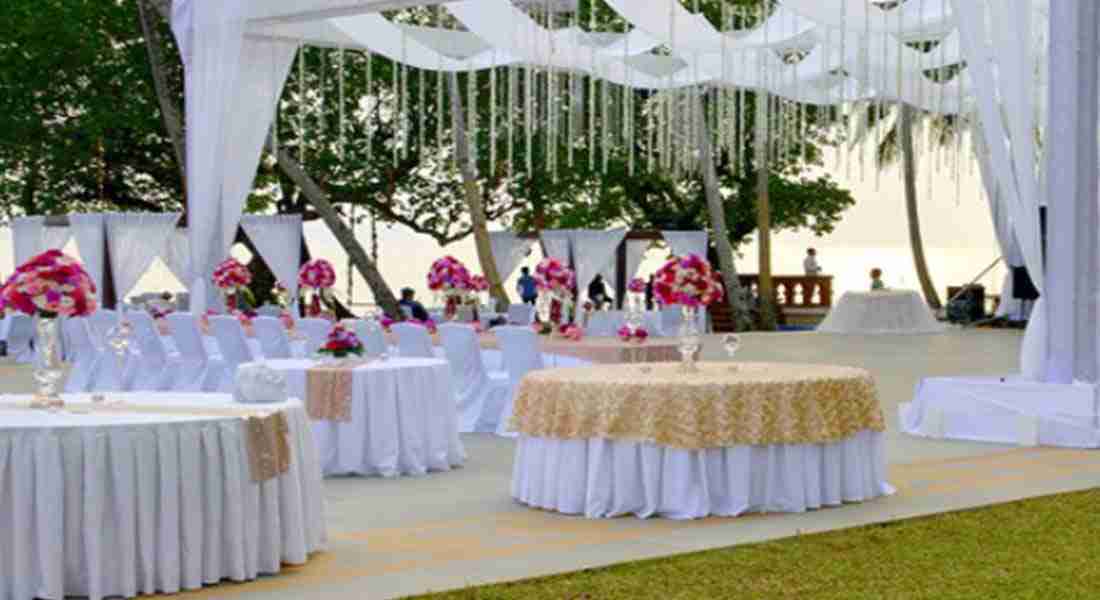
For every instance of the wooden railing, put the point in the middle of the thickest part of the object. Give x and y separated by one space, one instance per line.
795 291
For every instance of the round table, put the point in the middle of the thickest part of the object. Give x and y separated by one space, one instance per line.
159 493
403 417
648 440
881 312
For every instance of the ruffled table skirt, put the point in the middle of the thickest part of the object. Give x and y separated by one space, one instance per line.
885 312
601 478
148 504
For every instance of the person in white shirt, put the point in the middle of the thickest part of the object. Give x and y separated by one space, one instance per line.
810 263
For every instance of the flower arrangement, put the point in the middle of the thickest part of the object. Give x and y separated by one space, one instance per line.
689 281
450 278
573 333
558 283
386 323
480 283
636 286
341 342
319 276
49 285
629 334
232 278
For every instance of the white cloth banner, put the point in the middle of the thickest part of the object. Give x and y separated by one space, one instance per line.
26 238
592 251
131 253
278 238
90 235
683 243
509 250
558 243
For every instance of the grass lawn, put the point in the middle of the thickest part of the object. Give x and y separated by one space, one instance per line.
1046 548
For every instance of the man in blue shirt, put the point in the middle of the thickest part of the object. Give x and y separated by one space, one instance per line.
412 306
526 287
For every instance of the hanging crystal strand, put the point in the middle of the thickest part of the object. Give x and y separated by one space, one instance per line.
439 87
510 120
397 107
340 139
571 101
528 116
302 103
493 117
958 134
368 124
321 125
471 112
651 132
275 117
605 125
421 110
628 104
592 90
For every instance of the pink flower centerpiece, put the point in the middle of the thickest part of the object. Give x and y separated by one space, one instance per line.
341 342
636 286
317 276
628 334
451 279
558 283
691 282
232 278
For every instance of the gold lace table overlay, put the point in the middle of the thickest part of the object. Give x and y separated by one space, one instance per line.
329 390
759 404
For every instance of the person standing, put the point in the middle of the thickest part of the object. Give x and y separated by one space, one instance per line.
810 263
597 292
526 288
649 293
415 309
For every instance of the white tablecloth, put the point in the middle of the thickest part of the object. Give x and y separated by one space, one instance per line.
120 504
882 312
404 419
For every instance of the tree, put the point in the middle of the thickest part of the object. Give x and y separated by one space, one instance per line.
909 174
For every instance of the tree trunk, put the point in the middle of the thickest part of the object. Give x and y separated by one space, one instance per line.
765 287
344 234
473 199
909 172
173 122
717 211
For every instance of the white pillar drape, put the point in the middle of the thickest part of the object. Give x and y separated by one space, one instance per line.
91 242
1002 227
177 255
128 241
683 243
27 238
56 237
509 250
558 244
278 238
592 251
635 253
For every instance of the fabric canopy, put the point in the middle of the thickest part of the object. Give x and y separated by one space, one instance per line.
91 234
557 243
509 250
279 241
26 237
683 243
592 251
128 237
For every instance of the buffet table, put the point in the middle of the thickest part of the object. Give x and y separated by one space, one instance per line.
154 493
399 416
881 312
647 440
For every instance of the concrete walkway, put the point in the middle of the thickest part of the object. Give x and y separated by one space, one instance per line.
391 538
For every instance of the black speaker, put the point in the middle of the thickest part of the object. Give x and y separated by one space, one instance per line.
1023 288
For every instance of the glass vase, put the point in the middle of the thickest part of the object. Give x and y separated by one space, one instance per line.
690 339
47 363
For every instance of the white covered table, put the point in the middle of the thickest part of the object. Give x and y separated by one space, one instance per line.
881 312
403 418
153 495
646 440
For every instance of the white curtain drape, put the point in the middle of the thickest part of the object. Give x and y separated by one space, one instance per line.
27 238
1002 227
558 243
177 255
90 237
509 250
683 243
56 237
128 240
278 238
635 254
592 251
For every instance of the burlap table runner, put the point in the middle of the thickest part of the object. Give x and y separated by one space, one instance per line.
329 389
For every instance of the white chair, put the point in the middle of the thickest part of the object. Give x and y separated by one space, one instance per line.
100 323
269 310
481 395
20 335
316 332
234 348
274 342
85 356
519 347
413 341
199 371
521 314
154 369
373 338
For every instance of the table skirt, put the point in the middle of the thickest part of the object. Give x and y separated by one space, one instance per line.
127 510
602 478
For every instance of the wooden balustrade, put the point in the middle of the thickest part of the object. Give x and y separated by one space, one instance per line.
796 291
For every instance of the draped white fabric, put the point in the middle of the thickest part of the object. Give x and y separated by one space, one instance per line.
509 250
56 237
683 243
1006 236
177 255
131 253
592 251
278 238
558 243
27 238
635 253
90 234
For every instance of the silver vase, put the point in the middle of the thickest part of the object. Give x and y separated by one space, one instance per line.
690 339
48 369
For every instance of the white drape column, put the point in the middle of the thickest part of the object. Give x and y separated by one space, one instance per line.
509 250
557 243
1073 260
91 242
26 238
278 238
592 251
635 254
128 241
177 255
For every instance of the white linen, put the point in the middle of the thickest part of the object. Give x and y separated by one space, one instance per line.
131 253
881 312
278 238
403 419
635 254
155 369
413 341
128 504
601 478
177 255
481 395
55 238
521 314
683 243
27 238
592 252
606 323
274 341
520 354
91 235
316 332
233 346
200 369
20 335
373 338
509 250
85 357
557 243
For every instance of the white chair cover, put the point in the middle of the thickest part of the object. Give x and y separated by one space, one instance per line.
20 334
274 342
154 368
199 371
519 348
603 323
481 395
234 348
269 310
84 355
316 332
521 314
100 323
373 338
413 341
